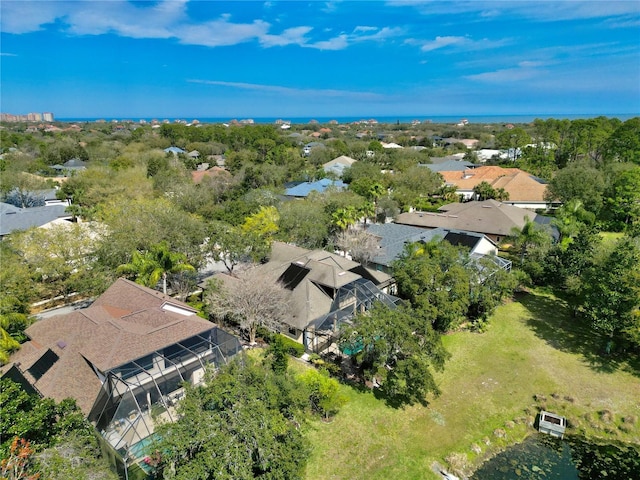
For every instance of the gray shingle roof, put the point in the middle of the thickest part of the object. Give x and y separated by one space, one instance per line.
13 219
488 217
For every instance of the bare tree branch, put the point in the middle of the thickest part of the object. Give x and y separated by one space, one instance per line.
253 298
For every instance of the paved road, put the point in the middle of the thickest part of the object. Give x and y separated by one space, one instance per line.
63 310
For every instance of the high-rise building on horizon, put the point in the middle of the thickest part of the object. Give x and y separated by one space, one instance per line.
27 117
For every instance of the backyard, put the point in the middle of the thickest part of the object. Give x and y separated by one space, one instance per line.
534 356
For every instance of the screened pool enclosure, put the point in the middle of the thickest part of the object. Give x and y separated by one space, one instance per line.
139 394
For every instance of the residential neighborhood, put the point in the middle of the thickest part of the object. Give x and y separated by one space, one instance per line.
146 269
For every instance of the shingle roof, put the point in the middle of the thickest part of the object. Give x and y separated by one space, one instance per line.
315 269
488 217
126 322
449 166
304 189
342 160
13 218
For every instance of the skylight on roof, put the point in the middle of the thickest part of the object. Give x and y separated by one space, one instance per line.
168 307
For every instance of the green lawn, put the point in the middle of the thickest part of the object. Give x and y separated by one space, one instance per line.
531 348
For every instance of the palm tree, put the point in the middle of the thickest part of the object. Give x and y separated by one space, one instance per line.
7 343
148 267
570 218
344 217
530 236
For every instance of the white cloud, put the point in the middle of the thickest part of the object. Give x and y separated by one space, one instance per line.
382 34
506 75
169 19
289 91
361 28
530 9
441 42
294 35
24 17
222 33
459 43
336 43
359 34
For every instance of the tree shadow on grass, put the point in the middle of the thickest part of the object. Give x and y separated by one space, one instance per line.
552 320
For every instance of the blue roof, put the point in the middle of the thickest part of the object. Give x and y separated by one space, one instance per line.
174 150
304 189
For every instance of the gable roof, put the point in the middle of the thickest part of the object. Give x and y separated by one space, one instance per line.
489 217
338 165
127 322
342 160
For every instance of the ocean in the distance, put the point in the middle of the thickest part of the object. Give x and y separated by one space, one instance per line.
499 119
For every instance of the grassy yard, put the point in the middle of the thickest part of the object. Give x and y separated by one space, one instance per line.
533 356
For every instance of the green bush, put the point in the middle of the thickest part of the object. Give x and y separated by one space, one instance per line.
293 348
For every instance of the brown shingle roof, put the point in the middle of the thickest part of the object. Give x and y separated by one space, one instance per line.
126 322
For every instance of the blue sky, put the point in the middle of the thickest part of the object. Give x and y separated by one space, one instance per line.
196 58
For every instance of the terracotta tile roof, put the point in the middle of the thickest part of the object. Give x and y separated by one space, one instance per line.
520 185
198 176
126 322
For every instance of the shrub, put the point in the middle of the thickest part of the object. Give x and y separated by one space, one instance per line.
293 348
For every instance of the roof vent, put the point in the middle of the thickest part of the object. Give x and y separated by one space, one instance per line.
61 344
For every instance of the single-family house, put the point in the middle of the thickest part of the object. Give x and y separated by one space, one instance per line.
303 189
127 354
306 149
489 217
467 142
393 237
174 150
324 290
525 190
213 172
14 218
338 165
453 165
69 167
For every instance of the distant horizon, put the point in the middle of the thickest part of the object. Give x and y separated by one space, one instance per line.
489 118
118 58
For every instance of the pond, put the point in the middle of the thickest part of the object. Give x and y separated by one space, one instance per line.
545 457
